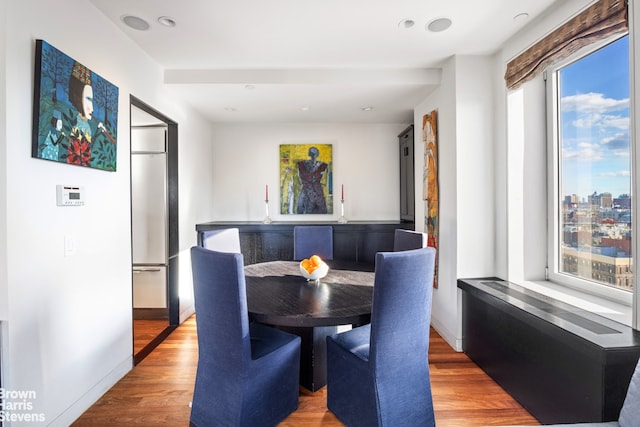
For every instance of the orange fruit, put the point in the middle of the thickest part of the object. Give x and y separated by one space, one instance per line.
315 260
308 265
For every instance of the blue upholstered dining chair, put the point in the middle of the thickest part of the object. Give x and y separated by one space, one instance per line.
222 240
378 374
312 240
248 374
408 239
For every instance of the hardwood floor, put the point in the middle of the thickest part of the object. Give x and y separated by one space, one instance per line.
157 391
145 331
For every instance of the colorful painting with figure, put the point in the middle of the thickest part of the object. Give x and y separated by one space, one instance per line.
430 182
75 112
306 185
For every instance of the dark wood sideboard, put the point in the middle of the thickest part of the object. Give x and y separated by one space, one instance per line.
357 241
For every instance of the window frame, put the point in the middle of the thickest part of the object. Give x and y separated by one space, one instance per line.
553 163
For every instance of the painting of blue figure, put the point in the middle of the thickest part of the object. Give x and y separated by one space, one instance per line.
306 184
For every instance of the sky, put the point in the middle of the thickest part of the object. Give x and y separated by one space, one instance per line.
595 123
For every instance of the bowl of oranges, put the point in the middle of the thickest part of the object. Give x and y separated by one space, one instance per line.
313 268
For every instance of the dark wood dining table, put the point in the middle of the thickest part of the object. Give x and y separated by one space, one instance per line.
278 295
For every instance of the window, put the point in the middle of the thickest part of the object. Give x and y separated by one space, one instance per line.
590 222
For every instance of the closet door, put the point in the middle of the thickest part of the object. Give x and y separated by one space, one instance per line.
407 178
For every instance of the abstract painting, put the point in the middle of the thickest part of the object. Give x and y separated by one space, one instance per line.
430 182
306 179
75 112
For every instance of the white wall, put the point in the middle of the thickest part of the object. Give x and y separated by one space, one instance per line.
521 142
526 186
195 180
365 160
444 308
4 292
466 247
68 319
475 165
475 168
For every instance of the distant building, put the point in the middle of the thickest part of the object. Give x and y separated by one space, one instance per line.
578 238
623 246
572 201
623 201
613 271
603 200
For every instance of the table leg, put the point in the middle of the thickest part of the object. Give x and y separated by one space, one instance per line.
313 354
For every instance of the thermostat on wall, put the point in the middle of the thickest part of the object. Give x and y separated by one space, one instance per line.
67 195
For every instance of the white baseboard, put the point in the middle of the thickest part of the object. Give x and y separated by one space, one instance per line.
447 335
185 313
79 407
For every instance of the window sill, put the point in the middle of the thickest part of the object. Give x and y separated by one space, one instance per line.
618 312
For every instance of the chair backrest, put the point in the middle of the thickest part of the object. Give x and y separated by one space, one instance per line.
399 337
408 239
401 309
223 240
630 413
312 240
221 309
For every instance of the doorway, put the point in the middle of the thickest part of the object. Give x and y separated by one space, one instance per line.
154 220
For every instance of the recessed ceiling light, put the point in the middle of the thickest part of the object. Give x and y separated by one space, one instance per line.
304 108
438 24
135 22
167 21
406 23
521 17
367 108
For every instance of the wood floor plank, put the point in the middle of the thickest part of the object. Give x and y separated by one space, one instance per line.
145 330
157 391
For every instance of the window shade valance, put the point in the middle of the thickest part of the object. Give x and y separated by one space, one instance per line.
600 20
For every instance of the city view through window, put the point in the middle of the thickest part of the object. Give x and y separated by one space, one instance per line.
595 168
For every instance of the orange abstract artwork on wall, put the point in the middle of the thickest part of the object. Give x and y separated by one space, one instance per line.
430 188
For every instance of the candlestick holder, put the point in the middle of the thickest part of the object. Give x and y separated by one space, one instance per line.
342 219
267 219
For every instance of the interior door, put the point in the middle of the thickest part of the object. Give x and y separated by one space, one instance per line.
154 202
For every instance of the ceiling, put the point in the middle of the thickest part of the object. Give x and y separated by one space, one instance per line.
319 61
